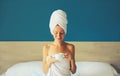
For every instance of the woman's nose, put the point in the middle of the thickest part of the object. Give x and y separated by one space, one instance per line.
58 34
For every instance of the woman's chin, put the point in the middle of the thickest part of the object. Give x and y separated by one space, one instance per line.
59 40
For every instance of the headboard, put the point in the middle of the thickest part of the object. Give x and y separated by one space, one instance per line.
13 52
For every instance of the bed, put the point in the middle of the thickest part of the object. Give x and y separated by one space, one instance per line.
33 68
24 58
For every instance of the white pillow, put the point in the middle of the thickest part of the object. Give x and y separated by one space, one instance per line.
34 68
25 69
94 69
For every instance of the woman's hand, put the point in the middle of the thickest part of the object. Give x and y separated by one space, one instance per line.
51 60
68 56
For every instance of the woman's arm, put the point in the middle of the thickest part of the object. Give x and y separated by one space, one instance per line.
46 63
72 61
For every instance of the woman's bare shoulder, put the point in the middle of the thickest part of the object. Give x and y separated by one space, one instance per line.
47 46
70 45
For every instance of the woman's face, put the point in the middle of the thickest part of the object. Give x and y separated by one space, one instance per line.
58 33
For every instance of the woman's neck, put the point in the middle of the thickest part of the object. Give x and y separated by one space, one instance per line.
59 43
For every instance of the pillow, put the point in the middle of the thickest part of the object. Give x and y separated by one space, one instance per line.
94 69
25 69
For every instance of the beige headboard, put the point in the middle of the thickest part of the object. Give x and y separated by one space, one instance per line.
15 52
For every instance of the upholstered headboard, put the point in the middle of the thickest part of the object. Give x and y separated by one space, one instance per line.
22 51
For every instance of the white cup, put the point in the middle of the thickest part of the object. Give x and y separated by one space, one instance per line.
59 56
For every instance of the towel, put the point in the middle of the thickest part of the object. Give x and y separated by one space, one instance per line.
60 68
58 17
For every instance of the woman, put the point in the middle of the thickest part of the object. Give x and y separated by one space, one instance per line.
58 56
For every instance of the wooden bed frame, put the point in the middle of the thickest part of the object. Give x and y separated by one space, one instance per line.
13 52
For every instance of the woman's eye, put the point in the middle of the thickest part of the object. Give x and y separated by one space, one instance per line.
56 33
59 33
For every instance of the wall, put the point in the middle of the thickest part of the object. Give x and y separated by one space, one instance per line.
88 20
15 52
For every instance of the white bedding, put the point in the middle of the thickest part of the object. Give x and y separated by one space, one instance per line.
34 68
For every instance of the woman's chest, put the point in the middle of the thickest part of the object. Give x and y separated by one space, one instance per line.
55 50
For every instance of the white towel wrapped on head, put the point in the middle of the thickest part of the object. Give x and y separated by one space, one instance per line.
58 17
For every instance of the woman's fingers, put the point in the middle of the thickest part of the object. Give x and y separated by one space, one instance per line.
68 56
51 60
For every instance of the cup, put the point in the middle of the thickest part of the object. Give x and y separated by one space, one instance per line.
59 56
